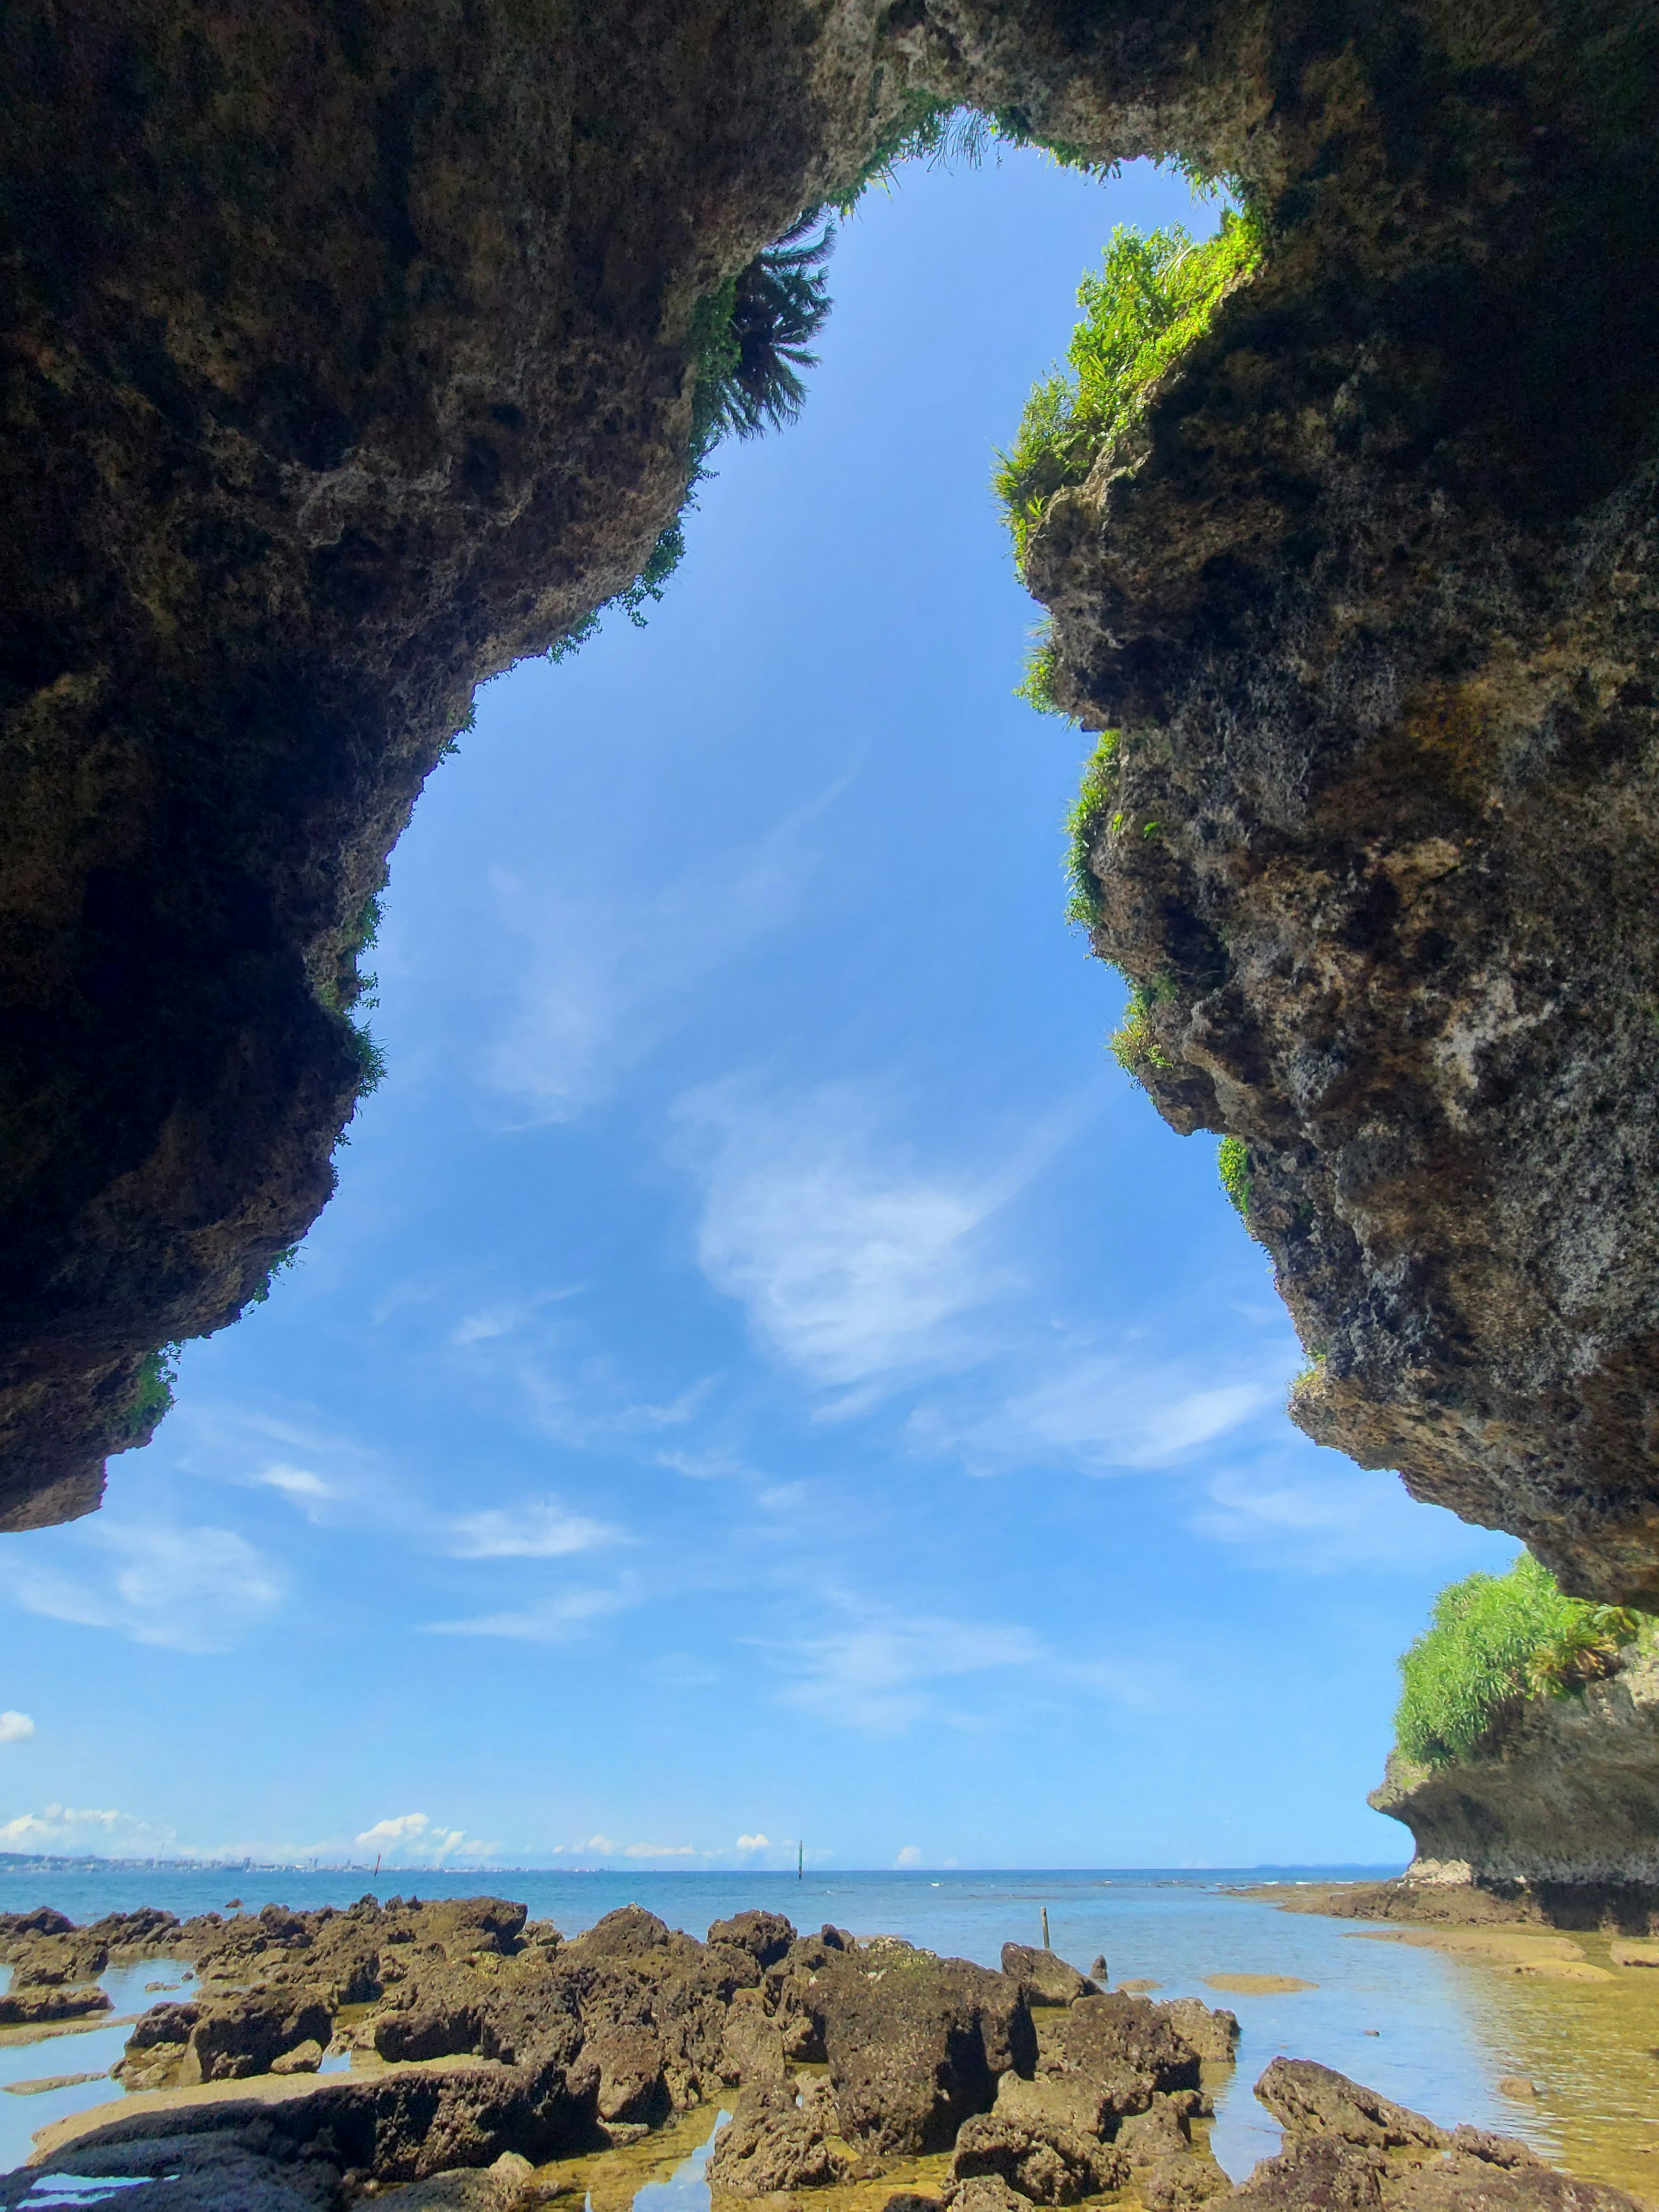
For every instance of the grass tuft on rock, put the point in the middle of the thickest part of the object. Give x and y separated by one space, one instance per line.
1157 295
1232 1162
1494 1640
1091 806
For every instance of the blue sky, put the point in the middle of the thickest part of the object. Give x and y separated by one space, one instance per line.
766 1374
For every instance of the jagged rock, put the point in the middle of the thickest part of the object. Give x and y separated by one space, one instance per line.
1085 2103
1319 2174
52 1962
34 2008
1044 2161
1047 1980
766 1936
1309 2099
912 2200
751 2044
186 2174
1107 2034
1159 2132
632 2083
502 2187
915 2043
1211 2030
767 2145
236 2036
985 2192
304 2058
1186 2178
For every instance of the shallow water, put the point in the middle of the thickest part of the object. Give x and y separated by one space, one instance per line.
1435 2031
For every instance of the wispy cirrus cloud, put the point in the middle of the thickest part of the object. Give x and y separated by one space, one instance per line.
608 977
1313 1511
557 1619
188 1588
855 1265
537 1529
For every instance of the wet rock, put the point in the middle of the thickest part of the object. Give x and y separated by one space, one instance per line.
35 2007
184 2173
915 2043
1044 2161
1159 2132
769 2145
237 2037
1186 2178
1045 1977
1309 2099
911 2200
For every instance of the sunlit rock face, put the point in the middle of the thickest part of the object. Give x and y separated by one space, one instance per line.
1558 1811
350 356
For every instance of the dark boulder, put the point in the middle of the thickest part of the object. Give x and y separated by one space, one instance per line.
1309 2099
1212 2031
915 2044
237 2037
1045 2161
1045 1977
1109 2035
769 2145
765 1936
36 2008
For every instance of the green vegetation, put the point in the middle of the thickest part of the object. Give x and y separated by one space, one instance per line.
1090 807
1494 1640
1134 1044
1232 1162
1157 295
153 1400
752 339
280 1265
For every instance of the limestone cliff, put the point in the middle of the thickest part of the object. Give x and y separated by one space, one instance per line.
350 352
1564 1796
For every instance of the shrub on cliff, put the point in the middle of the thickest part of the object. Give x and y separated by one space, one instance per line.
1157 295
1494 1639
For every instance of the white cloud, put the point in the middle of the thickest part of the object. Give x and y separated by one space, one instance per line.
1324 1515
193 1589
104 1832
540 1528
15 1728
909 1856
294 1482
553 1620
607 977
413 1840
878 1675
754 1843
854 1268
660 1851
1099 1411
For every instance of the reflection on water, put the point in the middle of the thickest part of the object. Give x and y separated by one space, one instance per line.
92 2051
1435 2031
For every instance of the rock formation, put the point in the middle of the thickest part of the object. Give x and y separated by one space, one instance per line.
1559 1805
1106 2097
350 357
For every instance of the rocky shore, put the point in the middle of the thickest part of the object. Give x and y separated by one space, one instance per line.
485 2046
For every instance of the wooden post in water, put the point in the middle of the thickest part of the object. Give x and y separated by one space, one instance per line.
1046 1945
801 1860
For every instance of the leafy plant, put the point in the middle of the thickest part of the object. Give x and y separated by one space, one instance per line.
1088 809
1134 1044
1495 1639
1233 1161
1157 295
280 1265
152 1399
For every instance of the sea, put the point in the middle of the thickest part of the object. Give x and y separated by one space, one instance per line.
1429 2030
